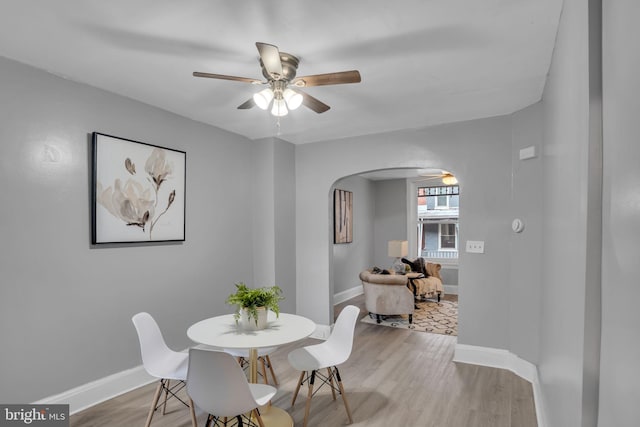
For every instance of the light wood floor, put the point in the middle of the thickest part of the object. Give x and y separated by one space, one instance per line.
394 378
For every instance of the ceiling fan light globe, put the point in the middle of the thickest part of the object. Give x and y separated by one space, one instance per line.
293 98
449 179
279 108
263 98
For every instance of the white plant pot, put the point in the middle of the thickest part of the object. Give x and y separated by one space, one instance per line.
250 324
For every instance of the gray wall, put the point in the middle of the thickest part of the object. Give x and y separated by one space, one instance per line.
620 375
65 307
263 204
449 276
477 152
526 271
570 316
272 200
390 218
349 259
284 246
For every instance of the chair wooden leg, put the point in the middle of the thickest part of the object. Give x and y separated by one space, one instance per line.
273 374
264 370
295 393
258 417
333 390
309 396
344 397
156 397
166 396
192 410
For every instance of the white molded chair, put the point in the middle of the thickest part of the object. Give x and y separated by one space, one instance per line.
334 351
161 362
218 385
242 355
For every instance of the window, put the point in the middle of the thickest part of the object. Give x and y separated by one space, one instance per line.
437 225
447 237
442 202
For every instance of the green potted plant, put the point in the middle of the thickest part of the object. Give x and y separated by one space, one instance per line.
253 304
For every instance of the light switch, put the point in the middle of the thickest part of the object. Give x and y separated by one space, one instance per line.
475 246
528 152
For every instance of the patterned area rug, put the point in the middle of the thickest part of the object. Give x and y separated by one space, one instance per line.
430 316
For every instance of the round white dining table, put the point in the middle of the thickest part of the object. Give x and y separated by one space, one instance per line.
224 332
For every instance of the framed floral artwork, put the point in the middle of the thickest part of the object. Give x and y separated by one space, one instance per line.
138 192
342 216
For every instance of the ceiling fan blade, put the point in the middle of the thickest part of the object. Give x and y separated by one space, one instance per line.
270 57
223 77
338 78
246 105
313 103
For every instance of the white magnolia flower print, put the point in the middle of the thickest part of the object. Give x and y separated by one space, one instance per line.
132 203
157 167
140 202
130 166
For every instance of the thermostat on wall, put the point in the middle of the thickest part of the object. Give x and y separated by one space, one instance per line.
517 225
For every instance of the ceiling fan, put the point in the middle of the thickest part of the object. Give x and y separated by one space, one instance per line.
283 92
446 177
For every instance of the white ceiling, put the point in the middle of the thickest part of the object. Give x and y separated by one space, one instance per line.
422 62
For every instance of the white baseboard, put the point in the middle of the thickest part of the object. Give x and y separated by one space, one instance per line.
343 296
450 289
504 359
90 394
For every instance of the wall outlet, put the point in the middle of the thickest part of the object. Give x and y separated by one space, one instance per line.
475 246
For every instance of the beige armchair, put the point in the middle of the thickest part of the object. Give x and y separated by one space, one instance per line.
387 294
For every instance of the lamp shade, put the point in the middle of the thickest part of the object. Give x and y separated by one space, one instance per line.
279 108
398 248
294 99
263 98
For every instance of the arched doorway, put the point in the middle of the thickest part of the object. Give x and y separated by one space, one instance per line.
386 207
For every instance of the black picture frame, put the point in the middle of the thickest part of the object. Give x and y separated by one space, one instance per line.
138 191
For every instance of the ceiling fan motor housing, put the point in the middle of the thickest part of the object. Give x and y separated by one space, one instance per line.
289 68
